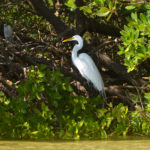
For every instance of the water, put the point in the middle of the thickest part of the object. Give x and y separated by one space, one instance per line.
115 144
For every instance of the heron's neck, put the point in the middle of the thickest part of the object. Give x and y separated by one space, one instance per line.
75 50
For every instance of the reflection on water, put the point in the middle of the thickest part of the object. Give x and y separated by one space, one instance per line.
130 144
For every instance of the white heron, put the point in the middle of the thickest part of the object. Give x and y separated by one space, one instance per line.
8 33
86 65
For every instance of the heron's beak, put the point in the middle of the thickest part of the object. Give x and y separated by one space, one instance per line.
69 39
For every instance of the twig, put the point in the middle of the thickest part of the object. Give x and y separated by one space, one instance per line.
102 45
8 4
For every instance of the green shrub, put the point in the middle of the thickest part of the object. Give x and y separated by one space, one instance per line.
45 108
136 39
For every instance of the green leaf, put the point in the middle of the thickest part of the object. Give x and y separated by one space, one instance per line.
99 2
131 7
103 12
38 96
41 74
108 18
86 9
147 96
41 88
103 133
1 93
134 16
143 17
34 132
144 126
141 27
71 4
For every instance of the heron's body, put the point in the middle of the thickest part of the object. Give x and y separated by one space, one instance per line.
86 65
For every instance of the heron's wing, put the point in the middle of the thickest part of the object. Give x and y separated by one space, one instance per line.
88 70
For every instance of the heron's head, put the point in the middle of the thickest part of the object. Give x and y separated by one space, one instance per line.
77 38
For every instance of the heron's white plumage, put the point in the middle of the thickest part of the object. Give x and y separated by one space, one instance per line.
91 72
86 65
8 32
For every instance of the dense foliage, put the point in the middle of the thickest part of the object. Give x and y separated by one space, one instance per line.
135 39
46 109
46 104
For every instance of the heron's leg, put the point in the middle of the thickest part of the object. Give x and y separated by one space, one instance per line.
104 97
90 85
103 94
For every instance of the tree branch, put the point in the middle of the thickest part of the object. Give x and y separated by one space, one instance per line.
48 14
83 23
